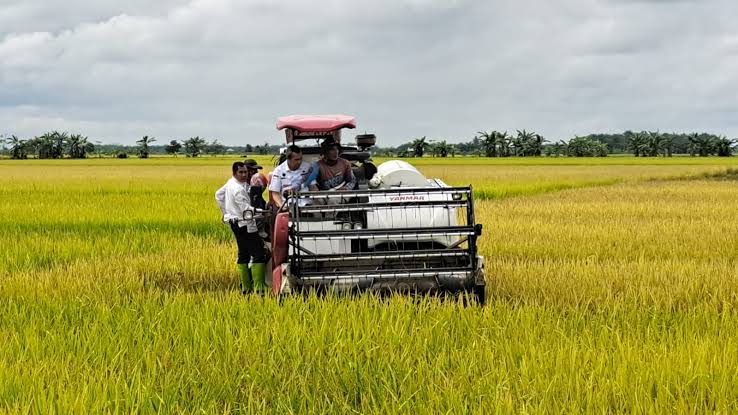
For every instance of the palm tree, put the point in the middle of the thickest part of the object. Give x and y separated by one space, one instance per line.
434 149
637 143
143 146
559 148
489 142
700 144
59 141
504 141
441 148
654 143
194 146
537 145
528 143
78 146
668 144
724 146
517 144
18 147
419 145
50 145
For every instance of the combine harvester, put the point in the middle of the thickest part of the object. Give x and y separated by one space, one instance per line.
396 231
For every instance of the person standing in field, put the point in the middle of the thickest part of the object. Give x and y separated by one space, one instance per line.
334 172
290 176
233 200
257 185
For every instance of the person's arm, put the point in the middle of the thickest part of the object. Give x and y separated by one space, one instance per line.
312 180
242 199
275 191
220 195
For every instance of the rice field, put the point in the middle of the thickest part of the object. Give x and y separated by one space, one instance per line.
612 287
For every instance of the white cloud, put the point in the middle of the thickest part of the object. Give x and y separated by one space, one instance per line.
226 68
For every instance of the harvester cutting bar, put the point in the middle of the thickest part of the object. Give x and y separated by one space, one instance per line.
377 205
395 191
389 233
386 274
378 255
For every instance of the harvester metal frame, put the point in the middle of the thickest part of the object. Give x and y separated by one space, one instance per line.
307 269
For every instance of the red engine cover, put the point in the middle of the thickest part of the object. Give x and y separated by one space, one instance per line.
280 239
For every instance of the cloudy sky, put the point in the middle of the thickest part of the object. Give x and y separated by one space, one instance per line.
225 69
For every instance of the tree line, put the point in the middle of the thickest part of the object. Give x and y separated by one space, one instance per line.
55 145
499 144
529 144
492 143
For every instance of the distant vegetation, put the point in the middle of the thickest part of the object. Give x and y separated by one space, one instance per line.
530 144
522 143
56 145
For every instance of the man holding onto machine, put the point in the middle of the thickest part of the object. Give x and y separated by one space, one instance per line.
233 200
291 176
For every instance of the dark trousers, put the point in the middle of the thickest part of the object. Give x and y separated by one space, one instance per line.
250 245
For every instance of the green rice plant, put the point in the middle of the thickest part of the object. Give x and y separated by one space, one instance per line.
612 288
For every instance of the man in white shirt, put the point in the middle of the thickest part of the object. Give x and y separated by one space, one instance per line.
233 200
291 176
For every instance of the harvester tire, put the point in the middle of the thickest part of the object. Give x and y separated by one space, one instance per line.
480 293
280 238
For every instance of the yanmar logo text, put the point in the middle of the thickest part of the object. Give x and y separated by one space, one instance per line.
413 198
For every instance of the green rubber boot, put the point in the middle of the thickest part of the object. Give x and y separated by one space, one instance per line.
258 271
245 273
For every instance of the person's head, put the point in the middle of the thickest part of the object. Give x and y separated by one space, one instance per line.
252 166
240 172
294 157
329 149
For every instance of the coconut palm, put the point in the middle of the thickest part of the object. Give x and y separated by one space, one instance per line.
143 146
528 143
700 144
536 145
724 146
504 141
517 144
559 148
441 149
488 142
194 146
655 143
18 147
50 145
78 146
637 143
419 146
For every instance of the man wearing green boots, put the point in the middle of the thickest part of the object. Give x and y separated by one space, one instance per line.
233 200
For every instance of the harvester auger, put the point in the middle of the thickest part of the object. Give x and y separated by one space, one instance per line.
396 231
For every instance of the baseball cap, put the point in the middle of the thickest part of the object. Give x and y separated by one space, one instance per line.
329 143
252 164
